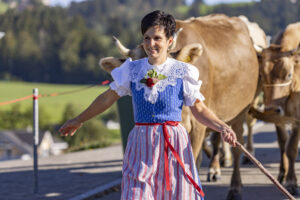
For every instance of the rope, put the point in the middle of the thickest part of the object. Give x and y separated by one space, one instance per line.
53 94
278 84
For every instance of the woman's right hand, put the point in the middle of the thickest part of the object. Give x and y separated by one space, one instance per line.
70 127
228 135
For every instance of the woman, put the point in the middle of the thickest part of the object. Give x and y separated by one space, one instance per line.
158 161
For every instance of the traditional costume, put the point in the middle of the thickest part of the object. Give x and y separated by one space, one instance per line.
158 162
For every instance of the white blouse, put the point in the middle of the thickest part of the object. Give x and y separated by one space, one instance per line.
134 71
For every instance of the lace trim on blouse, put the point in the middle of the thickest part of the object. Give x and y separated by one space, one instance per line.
172 68
173 71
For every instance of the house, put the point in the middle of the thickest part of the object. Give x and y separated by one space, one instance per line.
19 144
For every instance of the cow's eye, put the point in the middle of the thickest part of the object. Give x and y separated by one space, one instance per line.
289 76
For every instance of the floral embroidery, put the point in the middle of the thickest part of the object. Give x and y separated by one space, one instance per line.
152 77
173 69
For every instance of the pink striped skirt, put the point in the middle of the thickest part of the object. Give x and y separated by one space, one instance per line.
143 165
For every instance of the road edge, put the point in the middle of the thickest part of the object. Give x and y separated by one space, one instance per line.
97 190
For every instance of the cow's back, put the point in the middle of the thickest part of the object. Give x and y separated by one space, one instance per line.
291 37
257 34
228 66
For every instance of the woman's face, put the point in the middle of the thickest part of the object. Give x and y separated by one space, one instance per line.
156 43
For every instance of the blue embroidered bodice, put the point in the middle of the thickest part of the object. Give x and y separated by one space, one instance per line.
166 108
164 101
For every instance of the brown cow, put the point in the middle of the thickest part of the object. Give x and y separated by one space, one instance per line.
259 38
221 48
257 35
281 80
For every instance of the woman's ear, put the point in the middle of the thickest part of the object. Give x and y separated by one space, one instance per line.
170 41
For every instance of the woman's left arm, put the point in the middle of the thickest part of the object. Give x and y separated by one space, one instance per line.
204 115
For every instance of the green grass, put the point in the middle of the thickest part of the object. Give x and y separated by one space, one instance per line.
3 7
53 106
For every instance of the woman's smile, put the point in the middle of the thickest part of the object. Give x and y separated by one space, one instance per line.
156 44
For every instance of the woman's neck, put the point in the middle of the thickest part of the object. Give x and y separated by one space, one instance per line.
157 61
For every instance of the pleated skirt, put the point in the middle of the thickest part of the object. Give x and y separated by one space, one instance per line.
143 165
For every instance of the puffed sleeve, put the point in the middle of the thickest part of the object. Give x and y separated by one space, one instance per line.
191 86
121 83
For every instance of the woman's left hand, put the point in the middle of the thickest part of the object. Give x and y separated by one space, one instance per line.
70 127
228 135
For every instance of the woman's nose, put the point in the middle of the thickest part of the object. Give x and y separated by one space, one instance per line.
151 42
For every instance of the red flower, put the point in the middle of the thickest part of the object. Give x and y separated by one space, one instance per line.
152 78
149 82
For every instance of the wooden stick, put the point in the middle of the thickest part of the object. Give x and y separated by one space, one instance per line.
265 171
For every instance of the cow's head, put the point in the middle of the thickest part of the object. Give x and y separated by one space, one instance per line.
188 53
109 63
277 72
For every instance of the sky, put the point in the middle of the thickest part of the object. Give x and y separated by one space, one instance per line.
209 2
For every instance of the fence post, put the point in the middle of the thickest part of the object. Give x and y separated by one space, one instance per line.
35 138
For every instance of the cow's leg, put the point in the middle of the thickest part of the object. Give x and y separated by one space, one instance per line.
214 171
236 182
208 152
199 161
197 135
282 137
226 160
292 152
196 132
250 121
207 149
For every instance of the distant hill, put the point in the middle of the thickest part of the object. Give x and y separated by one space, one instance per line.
64 45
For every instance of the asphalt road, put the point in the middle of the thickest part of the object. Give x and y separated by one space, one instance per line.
73 175
255 184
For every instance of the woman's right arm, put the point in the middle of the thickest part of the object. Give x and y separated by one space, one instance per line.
99 105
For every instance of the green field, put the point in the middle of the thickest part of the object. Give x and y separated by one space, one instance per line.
53 106
3 7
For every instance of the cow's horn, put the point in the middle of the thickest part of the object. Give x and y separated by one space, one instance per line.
291 52
258 48
296 50
173 45
122 49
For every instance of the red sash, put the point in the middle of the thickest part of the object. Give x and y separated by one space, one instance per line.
168 145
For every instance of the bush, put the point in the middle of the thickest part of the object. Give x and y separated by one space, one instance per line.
15 118
93 134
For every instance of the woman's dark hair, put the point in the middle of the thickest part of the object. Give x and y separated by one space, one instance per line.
159 18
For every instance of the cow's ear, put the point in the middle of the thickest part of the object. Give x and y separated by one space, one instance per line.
190 53
110 63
